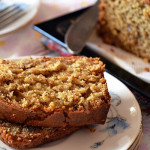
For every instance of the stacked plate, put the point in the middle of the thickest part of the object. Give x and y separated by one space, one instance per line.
136 144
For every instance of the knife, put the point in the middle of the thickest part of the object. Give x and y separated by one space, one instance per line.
80 30
76 38
52 29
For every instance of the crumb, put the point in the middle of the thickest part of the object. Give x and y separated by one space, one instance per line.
112 50
38 78
99 45
133 63
145 60
91 129
147 69
72 21
124 33
84 3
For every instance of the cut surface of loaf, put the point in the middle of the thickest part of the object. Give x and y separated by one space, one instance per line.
22 136
125 23
54 91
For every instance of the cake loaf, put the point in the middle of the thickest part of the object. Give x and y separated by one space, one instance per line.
22 136
54 91
125 23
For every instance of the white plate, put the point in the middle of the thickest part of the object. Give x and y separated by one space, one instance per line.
33 6
119 132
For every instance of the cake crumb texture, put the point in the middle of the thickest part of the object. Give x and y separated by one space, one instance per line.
49 84
125 23
54 91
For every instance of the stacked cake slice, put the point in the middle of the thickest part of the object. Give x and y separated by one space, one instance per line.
50 98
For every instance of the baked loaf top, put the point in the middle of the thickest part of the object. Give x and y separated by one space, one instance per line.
22 136
35 89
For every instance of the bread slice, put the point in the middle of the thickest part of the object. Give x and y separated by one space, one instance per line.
22 136
54 91
125 23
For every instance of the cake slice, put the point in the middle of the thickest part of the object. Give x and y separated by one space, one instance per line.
22 136
54 91
125 23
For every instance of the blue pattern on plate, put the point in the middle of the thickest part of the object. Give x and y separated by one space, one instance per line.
95 145
115 123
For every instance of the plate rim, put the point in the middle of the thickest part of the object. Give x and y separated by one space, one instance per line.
137 140
135 100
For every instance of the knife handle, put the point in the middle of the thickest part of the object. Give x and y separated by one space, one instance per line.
53 46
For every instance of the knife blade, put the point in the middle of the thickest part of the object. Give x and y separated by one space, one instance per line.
81 29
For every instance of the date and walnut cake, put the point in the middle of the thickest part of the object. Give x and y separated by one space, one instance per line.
54 91
125 23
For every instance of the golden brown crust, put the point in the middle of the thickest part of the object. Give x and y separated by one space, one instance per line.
58 117
22 137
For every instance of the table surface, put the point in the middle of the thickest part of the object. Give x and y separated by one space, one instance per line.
26 41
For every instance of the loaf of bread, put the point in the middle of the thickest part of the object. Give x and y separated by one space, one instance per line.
54 91
22 136
125 23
